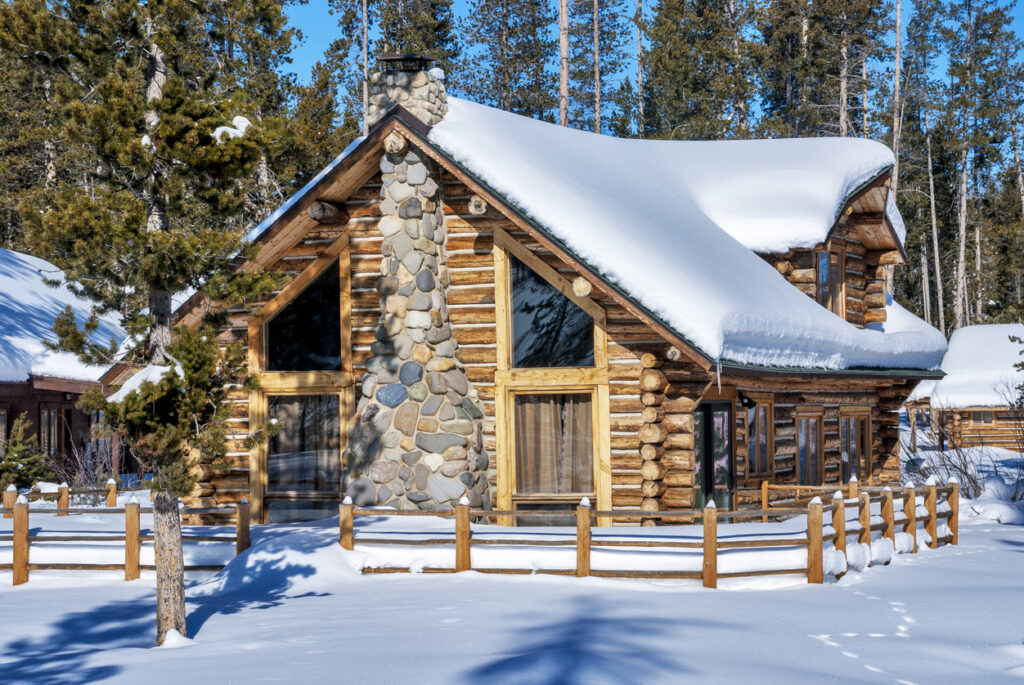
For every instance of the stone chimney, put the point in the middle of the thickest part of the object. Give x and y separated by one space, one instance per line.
416 441
408 80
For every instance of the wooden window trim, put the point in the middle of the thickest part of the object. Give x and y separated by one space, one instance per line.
509 381
766 400
811 412
971 423
341 383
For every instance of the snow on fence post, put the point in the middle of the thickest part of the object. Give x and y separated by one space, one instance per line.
111 493
764 500
709 571
852 486
910 512
462 555
864 518
242 540
63 498
839 520
346 524
10 497
131 540
954 509
20 566
583 538
815 570
888 516
931 524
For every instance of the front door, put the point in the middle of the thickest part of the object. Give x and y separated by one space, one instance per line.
712 446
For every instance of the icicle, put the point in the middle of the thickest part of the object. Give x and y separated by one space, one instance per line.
718 373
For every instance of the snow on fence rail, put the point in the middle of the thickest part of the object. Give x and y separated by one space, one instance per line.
816 534
132 537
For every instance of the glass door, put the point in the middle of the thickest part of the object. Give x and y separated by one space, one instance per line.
712 446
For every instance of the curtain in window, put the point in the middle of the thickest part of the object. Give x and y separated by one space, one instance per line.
554 444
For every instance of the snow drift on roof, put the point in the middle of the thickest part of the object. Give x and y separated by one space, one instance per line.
649 216
28 308
979 368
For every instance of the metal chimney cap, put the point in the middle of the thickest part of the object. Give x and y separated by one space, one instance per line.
406 62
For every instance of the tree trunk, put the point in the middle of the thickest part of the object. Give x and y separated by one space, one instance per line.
739 104
1020 174
50 148
366 71
563 62
865 110
597 71
960 296
639 69
844 83
926 294
897 107
979 305
935 229
170 567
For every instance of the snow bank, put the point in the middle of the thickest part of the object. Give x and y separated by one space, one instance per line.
693 211
28 307
979 367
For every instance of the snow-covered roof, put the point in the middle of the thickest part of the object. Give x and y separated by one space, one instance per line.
28 307
673 224
151 373
979 368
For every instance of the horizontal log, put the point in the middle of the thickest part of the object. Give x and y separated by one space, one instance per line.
678 423
678 459
679 441
679 478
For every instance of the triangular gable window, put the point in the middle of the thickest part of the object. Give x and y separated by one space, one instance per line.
548 329
306 334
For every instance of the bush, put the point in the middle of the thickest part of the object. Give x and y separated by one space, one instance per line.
21 461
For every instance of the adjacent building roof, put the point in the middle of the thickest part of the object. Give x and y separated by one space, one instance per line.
28 307
979 368
674 225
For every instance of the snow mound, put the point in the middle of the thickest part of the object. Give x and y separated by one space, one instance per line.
979 367
857 556
997 489
28 307
904 543
1006 513
882 551
833 562
175 640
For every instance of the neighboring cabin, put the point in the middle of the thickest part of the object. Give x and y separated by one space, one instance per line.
34 380
972 404
487 305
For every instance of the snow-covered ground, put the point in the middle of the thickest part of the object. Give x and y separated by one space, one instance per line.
295 609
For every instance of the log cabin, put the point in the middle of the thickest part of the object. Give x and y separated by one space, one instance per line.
488 306
977 401
36 381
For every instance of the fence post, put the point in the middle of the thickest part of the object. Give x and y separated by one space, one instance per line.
462 555
888 516
839 521
954 509
583 538
815 572
931 524
242 541
346 524
910 512
764 500
131 540
864 518
10 497
20 541
111 493
709 572
852 486
63 499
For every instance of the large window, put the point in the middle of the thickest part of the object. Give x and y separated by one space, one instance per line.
809 439
49 432
855 444
759 438
712 447
304 457
829 280
306 334
548 329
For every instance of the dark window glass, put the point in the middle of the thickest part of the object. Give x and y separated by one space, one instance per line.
713 451
306 334
305 455
850 444
288 511
567 519
758 421
554 444
548 329
823 279
808 447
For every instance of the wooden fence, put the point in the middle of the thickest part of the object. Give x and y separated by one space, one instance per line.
709 545
132 538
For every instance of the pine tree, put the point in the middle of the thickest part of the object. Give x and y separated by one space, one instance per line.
421 27
592 90
511 47
22 463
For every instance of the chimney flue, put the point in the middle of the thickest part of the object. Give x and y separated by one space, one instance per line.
408 80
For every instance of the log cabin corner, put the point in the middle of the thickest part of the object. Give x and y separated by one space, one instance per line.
487 306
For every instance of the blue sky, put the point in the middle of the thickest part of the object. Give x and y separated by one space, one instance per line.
320 28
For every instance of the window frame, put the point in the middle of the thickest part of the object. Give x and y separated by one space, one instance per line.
861 414
831 249
50 444
707 407
983 424
806 413
509 381
290 383
766 401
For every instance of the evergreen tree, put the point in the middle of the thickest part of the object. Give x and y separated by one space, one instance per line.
512 52
591 106
425 27
22 463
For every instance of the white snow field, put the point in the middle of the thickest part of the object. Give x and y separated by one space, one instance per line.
293 609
